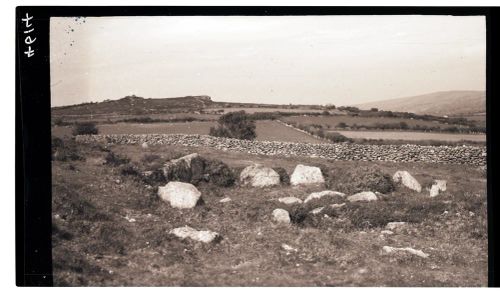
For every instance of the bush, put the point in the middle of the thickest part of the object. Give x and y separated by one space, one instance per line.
235 125
219 173
64 150
85 128
116 160
341 125
356 179
336 137
284 177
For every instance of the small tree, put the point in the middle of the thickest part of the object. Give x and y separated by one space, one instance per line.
234 125
341 125
85 128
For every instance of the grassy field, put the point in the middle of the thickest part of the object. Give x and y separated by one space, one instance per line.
96 243
252 110
332 121
411 136
266 130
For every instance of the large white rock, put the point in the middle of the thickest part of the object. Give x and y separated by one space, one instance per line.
179 194
304 175
363 196
281 216
318 195
412 251
289 200
259 176
437 187
204 236
407 180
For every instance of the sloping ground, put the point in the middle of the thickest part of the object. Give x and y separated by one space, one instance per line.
110 229
438 103
136 105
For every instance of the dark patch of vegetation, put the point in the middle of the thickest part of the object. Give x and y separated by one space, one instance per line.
284 177
85 128
130 170
336 137
357 179
70 205
235 125
65 150
219 173
156 120
115 159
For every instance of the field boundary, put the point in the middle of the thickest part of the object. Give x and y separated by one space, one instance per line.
469 155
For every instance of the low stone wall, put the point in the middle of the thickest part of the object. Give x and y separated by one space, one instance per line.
470 155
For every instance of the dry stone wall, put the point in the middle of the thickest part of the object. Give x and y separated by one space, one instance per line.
470 155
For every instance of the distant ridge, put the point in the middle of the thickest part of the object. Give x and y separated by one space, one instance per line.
438 103
136 105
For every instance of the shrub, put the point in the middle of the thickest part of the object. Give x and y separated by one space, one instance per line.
116 160
235 125
219 173
341 125
336 137
65 150
284 177
85 128
356 179
130 170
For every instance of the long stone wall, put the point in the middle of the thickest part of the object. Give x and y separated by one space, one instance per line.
470 155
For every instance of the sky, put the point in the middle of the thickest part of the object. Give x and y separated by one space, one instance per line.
341 60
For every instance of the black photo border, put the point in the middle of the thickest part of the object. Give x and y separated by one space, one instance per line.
32 116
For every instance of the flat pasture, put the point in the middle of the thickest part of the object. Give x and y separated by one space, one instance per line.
412 136
252 110
266 130
333 121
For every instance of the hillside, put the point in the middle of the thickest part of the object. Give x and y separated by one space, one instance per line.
137 105
438 103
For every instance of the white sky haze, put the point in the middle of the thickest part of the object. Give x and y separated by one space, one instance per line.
343 60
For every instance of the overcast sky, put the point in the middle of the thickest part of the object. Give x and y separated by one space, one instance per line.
284 59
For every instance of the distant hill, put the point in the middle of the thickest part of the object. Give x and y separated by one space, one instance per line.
137 105
439 103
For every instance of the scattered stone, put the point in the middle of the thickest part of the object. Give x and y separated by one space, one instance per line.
145 145
317 210
419 253
180 195
281 216
336 206
118 181
405 178
290 200
363 196
438 187
288 248
318 195
305 175
226 199
204 236
259 176
395 225
388 232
